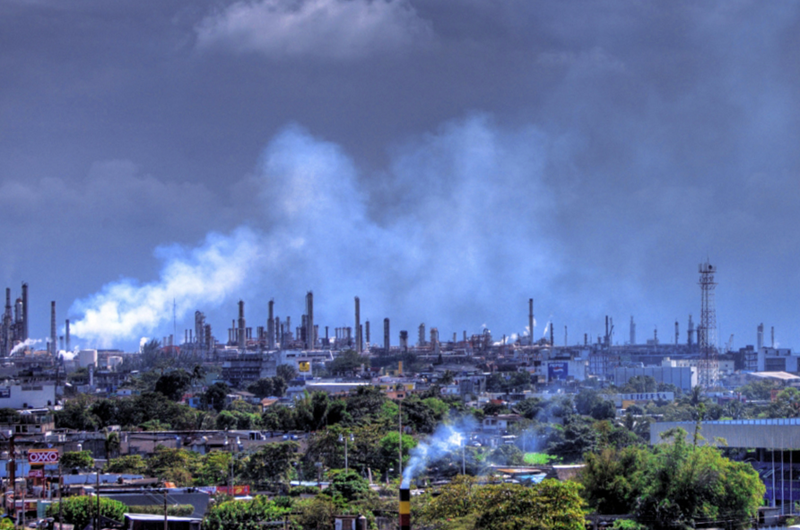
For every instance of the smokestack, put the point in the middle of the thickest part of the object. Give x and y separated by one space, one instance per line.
358 325
53 343
24 312
366 324
405 509
565 335
271 326
403 341
772 336
66 335
585 339
386 335
633 332
677 333
530 321
552 336
760 337
311 339
691 332
241 338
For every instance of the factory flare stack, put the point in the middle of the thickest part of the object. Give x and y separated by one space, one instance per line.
405 509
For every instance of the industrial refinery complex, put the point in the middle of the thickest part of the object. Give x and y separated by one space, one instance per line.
481 371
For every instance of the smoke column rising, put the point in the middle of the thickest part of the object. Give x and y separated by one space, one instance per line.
314 225
445 440
204 275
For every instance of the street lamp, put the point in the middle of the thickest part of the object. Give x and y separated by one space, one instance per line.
344 439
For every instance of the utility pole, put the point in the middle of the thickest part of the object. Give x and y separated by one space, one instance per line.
60 506
166 519
97 525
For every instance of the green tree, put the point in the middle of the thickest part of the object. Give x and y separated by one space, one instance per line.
133 464
463 503
272 462
243 515
214 397
172 385
77 460
551 505
225 421
349 485
286 372
174 465
786 405
80 511
687 485
76 414
613 479
214 468
347 362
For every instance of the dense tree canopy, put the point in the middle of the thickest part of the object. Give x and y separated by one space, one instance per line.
673 485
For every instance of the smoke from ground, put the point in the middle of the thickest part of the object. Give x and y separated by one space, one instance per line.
447 439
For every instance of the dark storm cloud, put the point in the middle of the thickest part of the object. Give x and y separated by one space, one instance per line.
630 141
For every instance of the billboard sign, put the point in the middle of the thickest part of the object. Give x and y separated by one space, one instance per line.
5 392
41 457
244 489
557 371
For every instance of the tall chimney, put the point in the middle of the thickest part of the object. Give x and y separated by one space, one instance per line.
271 326
403 341
366 331
358 325
565 335
677 333
633 331
772 336
530 321
760 337
691 332
241 338
66 335
405 508
24 311
311 340
552 335
386 340
53 337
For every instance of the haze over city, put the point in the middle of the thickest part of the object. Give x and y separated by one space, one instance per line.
443 161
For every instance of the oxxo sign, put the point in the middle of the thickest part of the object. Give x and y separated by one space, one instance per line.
42 456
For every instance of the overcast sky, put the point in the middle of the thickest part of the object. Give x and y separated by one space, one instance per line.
444 160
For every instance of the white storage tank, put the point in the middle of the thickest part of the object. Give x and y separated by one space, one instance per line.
114 361
86 358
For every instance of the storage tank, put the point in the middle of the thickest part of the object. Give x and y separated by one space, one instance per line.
114 361
86 358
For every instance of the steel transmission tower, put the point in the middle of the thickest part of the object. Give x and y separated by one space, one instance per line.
707 330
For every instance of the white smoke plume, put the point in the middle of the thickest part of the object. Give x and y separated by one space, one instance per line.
315 225
205 275
25 344
447 439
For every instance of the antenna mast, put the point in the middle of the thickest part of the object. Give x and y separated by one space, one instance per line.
707 331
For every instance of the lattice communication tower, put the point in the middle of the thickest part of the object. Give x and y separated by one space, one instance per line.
707 331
